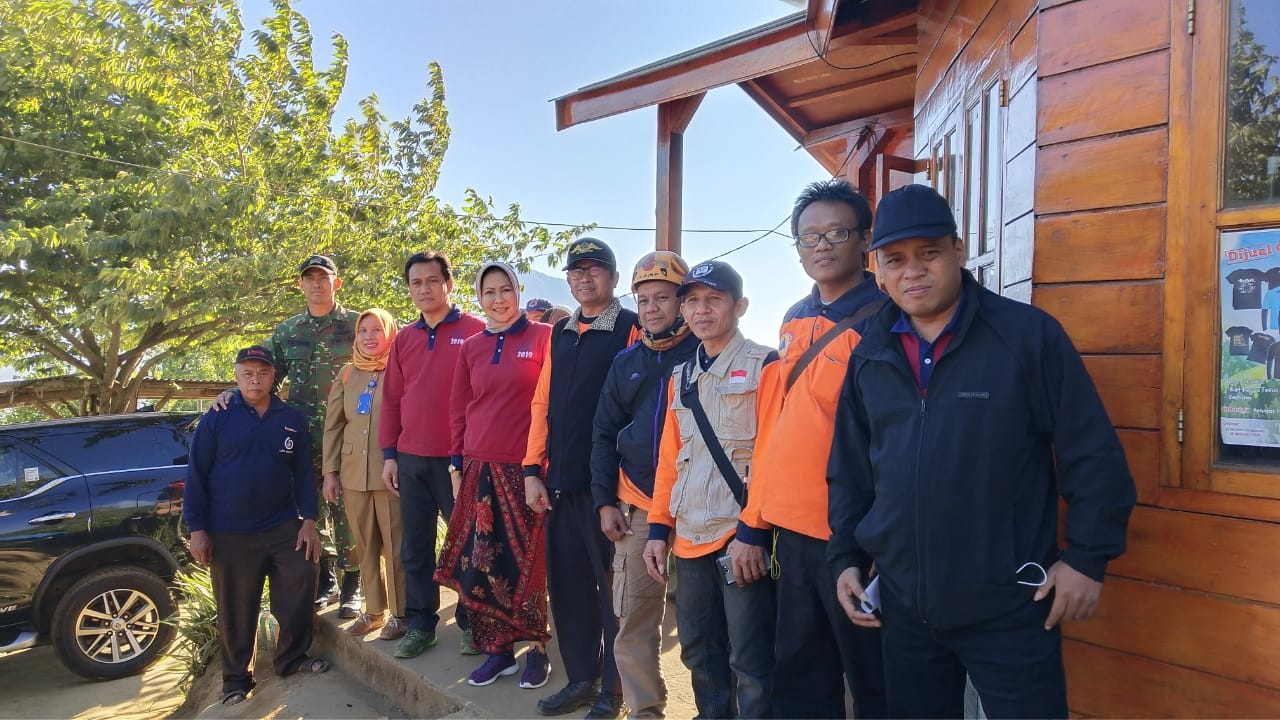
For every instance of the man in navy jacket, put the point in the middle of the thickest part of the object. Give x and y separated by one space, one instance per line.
251 503
964 415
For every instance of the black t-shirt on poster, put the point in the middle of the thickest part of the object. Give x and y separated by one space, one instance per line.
1272 278
1239 336
1262 343
1246 293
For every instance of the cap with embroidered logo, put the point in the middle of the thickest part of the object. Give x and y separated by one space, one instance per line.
537 304
256 352
591 249
715 274
318 261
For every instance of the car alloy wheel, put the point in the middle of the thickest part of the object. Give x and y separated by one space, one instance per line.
111 622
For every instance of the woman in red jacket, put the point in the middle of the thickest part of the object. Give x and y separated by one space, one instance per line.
493 555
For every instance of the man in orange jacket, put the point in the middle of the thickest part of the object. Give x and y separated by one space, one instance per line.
815 643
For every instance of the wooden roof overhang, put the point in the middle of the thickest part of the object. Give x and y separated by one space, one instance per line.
839 77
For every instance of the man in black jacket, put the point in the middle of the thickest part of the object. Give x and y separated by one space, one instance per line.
579 556
963 416
624 451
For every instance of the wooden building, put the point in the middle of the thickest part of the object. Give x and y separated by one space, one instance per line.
1092 152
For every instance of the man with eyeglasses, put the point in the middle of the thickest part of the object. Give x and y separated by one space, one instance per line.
817 649
579 556
963 416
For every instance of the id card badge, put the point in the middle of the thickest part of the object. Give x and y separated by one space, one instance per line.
364 404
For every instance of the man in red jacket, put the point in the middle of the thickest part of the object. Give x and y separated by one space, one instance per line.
414 435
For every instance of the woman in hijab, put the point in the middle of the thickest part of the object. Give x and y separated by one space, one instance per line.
493 554
352 468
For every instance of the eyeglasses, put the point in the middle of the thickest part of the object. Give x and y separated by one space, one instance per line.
834 236
577 273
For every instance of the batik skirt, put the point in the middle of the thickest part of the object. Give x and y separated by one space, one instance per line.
494 557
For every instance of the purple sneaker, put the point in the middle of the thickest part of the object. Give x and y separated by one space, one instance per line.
537 669
494 667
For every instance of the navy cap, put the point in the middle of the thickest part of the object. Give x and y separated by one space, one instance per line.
911 211
591 249
319 261
537 304
715 274
256 352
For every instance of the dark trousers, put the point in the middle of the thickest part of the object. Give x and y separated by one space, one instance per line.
425 493
818 649
1015 665
241 561
580 585
726 639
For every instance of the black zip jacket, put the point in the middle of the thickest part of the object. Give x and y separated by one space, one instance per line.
579 363
951 493
628 423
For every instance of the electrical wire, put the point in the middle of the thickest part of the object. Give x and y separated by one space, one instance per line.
808 28
351 201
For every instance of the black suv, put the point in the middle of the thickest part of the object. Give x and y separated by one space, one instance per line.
90 537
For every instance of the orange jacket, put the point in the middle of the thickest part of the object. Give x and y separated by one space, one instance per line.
789 484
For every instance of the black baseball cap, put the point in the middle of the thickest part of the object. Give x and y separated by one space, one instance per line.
319 261
537 304
256 352
911 211
591 249
715 274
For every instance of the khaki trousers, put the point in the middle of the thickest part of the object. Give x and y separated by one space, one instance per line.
639 603
374 517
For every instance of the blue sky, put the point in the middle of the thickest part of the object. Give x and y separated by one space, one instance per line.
504 62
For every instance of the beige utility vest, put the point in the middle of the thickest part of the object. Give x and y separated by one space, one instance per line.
701 503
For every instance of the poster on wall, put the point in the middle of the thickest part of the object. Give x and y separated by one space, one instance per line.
1249 397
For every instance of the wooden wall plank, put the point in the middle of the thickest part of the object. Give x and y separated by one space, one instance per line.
1107 683
1019 187
1102 172
1231 556
1102 99
1130 388
1091 32
1109 245
1018 291
1107 318
1022 54
955 34
1142 449
1016 249
1020 121
1194 630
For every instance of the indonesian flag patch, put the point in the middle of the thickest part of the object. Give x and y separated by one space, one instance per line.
737 377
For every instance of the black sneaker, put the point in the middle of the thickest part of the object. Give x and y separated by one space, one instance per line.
569 698
607 705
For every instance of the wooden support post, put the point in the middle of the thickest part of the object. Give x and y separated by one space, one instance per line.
673 120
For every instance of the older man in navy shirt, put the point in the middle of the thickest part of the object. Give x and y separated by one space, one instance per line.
251 505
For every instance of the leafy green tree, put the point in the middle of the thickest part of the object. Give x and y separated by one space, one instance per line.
224 171
1253 116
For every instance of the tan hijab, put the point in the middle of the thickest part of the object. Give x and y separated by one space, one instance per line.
364 360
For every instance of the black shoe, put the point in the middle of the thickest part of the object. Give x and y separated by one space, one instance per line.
607 705
350 598
570 698
326 585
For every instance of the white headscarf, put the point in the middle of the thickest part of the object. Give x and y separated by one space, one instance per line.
489 323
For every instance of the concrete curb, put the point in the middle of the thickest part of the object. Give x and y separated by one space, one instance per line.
398 682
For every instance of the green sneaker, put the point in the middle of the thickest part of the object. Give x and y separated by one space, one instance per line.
414 643
468 644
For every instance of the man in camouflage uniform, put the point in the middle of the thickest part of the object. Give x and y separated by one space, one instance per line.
310 348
